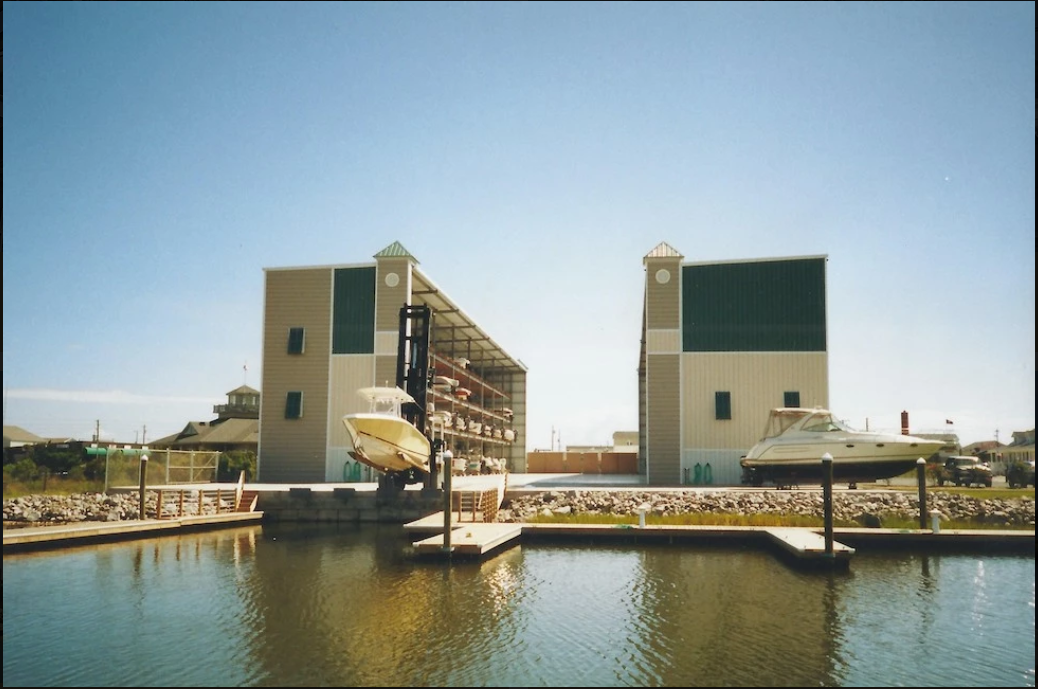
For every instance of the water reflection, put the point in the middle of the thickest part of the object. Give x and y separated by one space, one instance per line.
307 605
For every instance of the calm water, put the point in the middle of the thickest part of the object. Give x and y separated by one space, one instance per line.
290 605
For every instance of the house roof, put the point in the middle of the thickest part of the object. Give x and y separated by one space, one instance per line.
219 432
981 446
19 436
244 390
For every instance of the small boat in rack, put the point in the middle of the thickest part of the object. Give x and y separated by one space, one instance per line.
441 419
462 393
445 384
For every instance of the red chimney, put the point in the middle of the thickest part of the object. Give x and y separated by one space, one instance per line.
904 423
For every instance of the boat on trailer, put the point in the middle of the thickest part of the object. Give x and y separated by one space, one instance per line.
795 440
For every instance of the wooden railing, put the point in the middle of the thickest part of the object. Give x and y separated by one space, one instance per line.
177 503
476 505
173 504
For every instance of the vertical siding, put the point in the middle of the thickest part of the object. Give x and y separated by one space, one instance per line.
757 382
349 373
294 449
662 301
515 387
389 300
663 419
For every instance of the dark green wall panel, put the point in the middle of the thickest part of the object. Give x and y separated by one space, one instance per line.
766 306
353 311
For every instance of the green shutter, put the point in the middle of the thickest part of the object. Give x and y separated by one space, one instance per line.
353 311
294 405
296 340
723 406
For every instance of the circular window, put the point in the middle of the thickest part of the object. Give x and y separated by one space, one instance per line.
663 276
392 279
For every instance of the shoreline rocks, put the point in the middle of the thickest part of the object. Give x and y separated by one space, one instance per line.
54 510
867 507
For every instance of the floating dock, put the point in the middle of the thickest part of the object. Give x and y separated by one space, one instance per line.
476 539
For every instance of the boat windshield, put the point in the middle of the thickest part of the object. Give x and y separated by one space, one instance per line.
386 405
385 400
824 423
814 420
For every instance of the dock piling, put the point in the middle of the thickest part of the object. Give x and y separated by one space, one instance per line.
920 470
827 501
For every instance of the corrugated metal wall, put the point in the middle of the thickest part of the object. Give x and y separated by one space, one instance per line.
353 311
760 306
756 382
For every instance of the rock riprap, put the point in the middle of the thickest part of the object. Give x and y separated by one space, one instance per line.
863 507
89 507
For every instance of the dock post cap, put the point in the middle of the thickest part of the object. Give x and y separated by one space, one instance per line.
920 461
827 457
642 509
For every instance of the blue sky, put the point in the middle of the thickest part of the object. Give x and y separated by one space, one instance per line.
159 156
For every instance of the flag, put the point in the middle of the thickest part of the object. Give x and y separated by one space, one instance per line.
949 422
245 367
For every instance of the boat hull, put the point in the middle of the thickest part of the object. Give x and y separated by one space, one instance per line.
856 471
386 443
854 460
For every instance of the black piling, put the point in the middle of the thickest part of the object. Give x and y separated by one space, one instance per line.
827 501
920 471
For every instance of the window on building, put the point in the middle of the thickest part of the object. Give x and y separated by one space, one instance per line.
296 340
723 406
791 399
294 405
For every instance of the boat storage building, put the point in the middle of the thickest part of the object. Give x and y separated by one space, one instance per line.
723 343
329 331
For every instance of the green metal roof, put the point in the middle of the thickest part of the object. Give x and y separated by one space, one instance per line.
395 250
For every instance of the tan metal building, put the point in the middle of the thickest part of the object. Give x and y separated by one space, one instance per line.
329 331
722 344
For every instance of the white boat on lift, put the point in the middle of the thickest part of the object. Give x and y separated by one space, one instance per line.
383 439
796 439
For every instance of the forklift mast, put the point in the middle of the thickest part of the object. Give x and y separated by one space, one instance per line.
412 361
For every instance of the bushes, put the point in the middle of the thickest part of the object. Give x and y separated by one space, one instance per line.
233 463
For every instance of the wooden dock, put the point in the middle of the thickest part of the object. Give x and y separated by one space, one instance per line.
474 539
804 545
808 545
